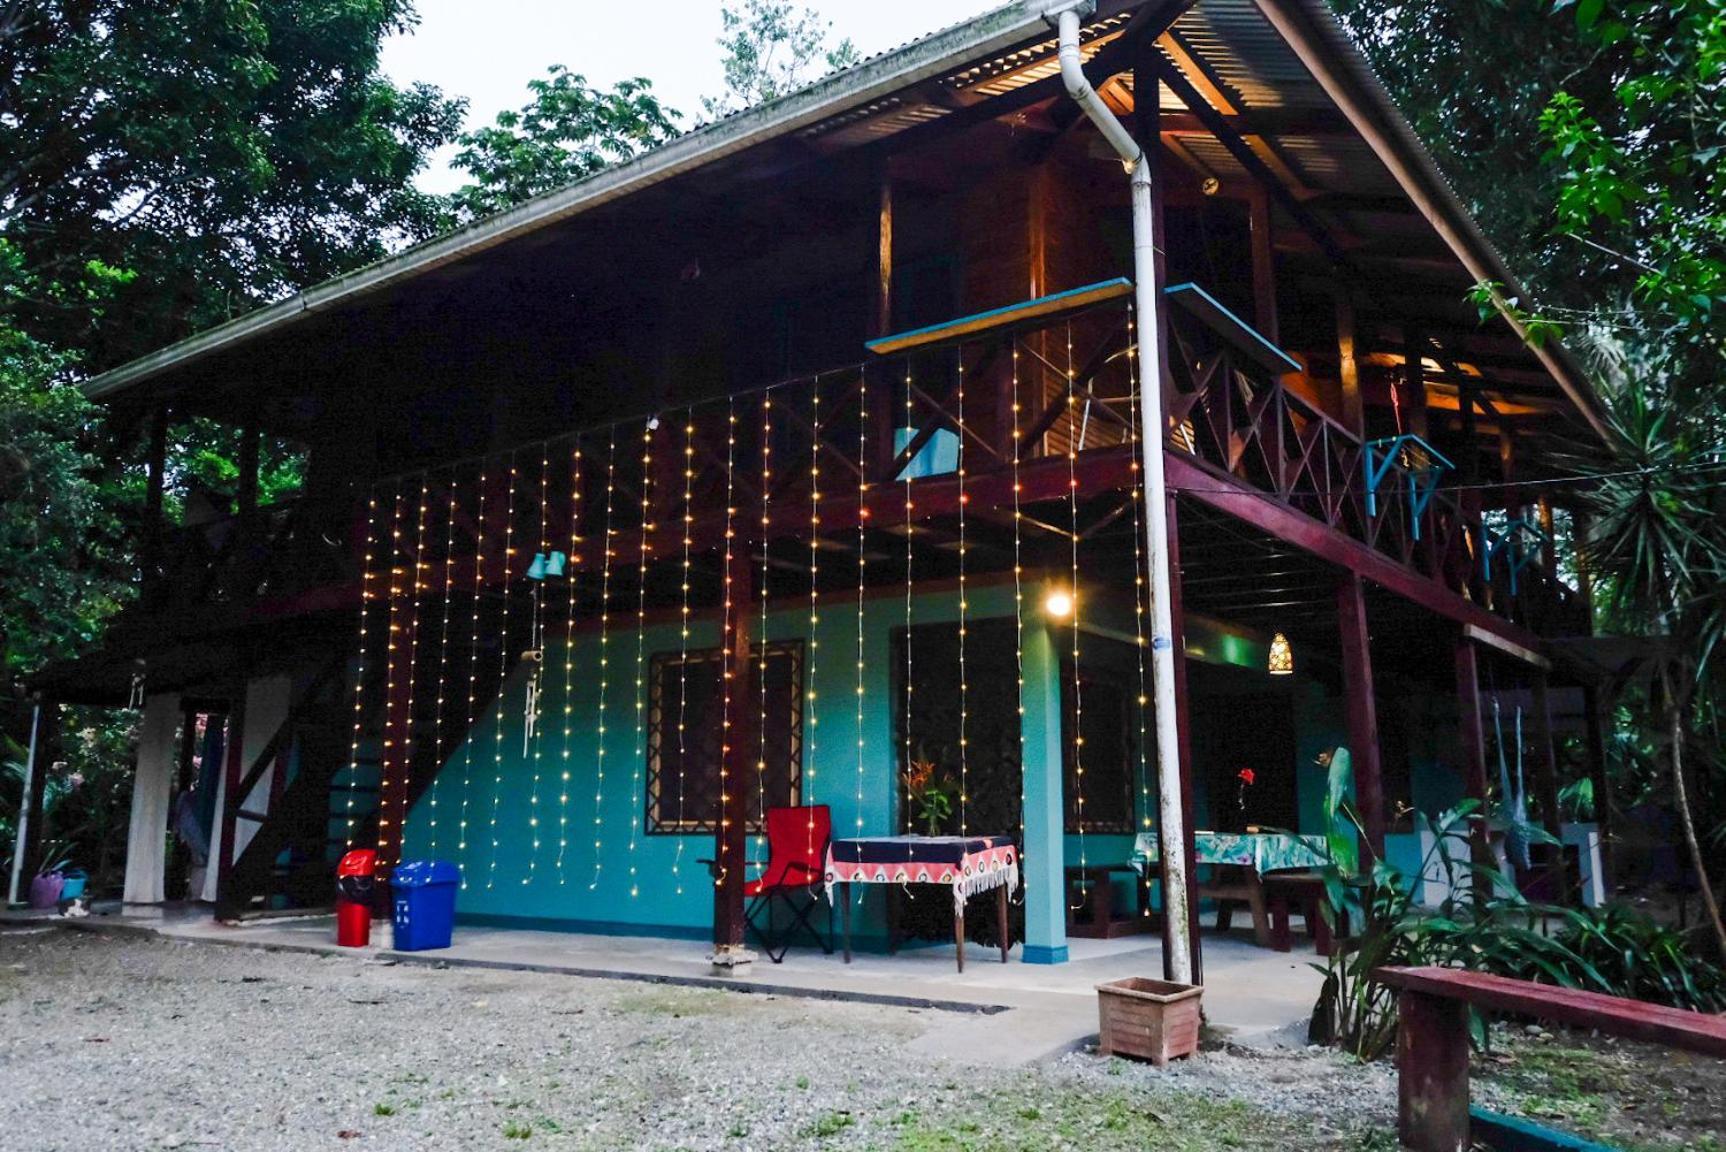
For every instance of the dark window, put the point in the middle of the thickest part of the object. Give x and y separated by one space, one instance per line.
1101 800
685 720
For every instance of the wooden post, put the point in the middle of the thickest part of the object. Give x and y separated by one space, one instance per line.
1362 709
1147 132
883 318
233 769
1432 1073
1470 462
1264 263
1548 547
1597 707
47 748
153 496
1348 368
1546 783
1414 354
737 743
1184 738
1473 755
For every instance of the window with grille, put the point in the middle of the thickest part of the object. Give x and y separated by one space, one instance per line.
685 721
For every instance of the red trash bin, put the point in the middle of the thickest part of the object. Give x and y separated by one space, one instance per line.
354 877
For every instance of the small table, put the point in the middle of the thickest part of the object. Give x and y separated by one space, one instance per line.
1241 860
968 864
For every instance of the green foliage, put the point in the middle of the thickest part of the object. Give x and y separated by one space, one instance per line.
224 151
567 131
59 572
1487 926
164 167
771 48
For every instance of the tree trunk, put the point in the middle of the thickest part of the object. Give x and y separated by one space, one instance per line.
1675 730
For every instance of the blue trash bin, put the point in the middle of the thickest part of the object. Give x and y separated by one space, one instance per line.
425 904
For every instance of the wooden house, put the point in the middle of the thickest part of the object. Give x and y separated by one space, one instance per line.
803 452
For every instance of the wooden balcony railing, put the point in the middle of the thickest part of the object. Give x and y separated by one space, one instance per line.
1228 407
1020 388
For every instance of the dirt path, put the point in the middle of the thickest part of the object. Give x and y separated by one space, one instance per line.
111 1042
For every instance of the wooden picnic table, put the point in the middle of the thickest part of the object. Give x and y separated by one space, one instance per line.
1240 862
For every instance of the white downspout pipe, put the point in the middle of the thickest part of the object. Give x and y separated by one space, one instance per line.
24 807
1171 823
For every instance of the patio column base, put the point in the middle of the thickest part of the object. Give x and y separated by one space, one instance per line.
1044 954
731 960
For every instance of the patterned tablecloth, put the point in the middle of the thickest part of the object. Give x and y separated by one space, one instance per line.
970 864
1261 851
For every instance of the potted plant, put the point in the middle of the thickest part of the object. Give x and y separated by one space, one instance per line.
928 796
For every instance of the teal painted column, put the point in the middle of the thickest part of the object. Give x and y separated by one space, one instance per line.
1045 823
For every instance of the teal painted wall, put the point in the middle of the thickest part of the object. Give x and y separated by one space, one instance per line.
531 861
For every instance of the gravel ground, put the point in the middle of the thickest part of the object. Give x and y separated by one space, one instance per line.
127 1042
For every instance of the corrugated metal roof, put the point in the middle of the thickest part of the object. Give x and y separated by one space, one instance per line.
1233 49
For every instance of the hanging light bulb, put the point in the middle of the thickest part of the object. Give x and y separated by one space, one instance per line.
1058 603
1282 656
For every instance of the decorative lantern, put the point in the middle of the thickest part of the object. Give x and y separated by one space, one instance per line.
1282 656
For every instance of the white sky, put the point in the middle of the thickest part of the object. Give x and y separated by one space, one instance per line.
487 50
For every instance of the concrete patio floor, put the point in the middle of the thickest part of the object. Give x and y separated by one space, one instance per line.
1015 1013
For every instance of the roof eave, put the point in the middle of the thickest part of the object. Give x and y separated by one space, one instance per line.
921 60
1313 33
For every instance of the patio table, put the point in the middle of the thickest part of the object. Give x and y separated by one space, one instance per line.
1241 861
969 865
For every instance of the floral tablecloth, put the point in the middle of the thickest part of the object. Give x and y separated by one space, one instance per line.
970 864
1261 851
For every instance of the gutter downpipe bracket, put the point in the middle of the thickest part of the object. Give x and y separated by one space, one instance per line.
1066 18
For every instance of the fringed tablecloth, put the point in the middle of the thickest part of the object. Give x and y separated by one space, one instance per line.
969 864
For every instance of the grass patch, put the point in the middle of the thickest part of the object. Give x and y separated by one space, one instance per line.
1110 1120
676 1003
516 1130
831 1124
381 1108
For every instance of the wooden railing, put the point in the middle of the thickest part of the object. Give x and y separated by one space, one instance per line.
846 439
1228 407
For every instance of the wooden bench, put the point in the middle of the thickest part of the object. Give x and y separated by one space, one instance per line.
1094 885
1305 891
1432 1039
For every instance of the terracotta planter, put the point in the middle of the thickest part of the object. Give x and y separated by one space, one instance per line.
1148 1019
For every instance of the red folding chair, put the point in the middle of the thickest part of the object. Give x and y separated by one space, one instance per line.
795 876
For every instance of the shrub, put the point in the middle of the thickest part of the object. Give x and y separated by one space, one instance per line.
1485 925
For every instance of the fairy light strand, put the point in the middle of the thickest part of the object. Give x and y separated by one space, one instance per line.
1073 591
1139 586
362 669
415 586
536 674
387 758
910 508
473 668
607 550
1018 591
503 671
433 798
964 613
862 581
811 720
683 643
722 862
761 643
643 554
576 478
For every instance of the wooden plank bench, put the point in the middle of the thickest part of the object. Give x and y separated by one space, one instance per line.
1432 1038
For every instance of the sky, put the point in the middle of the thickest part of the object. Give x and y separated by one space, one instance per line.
487 50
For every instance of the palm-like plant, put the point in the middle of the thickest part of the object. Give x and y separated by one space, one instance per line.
1658 538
